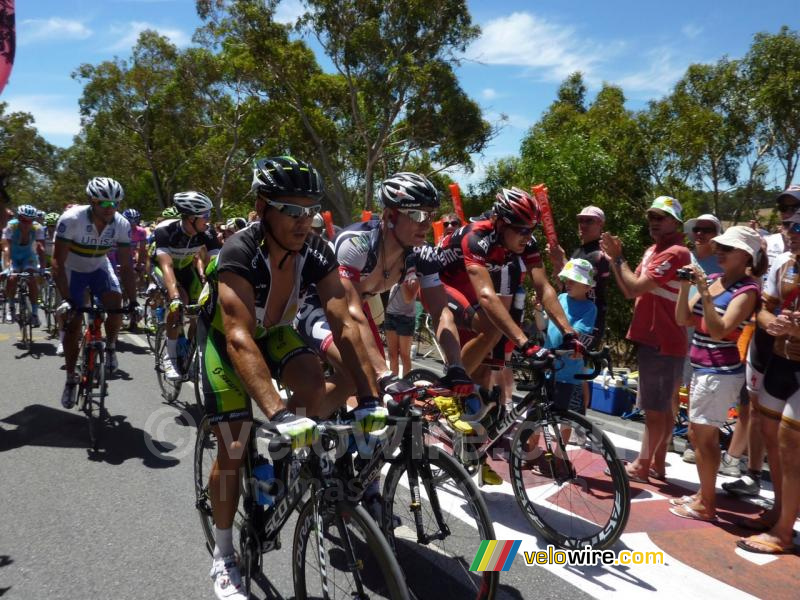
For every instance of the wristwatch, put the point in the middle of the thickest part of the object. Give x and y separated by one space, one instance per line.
619 260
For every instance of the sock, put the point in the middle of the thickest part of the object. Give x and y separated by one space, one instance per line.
224 542
172 349
73 378
12 306
61 336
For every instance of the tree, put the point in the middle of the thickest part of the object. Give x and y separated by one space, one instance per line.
772 70
708 124
25 156
394 99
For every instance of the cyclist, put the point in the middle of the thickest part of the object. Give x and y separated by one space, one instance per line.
23 240
373 256
246 338
484 263
183 248
84 235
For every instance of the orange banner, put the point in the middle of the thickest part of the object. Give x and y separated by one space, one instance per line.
328 218
455 194
438 231
548 224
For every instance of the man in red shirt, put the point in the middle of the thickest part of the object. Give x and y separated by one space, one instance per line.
661 342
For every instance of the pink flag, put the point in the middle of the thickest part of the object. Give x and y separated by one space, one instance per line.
7 41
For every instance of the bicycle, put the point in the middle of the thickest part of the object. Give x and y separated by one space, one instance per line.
434 516
188 364
572 489
425 338
49 302
153 314
338 550
24 308
92 386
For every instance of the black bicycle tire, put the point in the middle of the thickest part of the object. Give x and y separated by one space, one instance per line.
384 559
197 381
486 589
149 320
99 399
607 533
170 390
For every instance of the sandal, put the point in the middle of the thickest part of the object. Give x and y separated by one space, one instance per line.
769 547
758 524
682 500
684 511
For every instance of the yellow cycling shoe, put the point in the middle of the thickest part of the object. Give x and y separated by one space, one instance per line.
447 406
462 426
489 476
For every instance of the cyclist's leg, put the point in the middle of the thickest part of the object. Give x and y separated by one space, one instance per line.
11 286
225 402
297 367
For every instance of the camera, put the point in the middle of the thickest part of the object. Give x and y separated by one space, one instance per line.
685 273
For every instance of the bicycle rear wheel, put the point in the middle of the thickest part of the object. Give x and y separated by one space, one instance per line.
197 380
453 514
577 495
170 390
339 552
150 323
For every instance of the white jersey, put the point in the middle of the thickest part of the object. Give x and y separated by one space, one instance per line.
87 246
776 245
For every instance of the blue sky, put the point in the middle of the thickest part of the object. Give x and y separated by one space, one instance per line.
525 51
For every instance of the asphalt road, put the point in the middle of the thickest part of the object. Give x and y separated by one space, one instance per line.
121 525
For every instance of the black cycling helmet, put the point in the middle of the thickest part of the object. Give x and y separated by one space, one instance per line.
286 176
408 190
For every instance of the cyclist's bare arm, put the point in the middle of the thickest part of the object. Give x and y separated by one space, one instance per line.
444 323
60 253
40 253
7 254
356 313
127 273
347 334
200 263
549 299
492 305
239 320
168 275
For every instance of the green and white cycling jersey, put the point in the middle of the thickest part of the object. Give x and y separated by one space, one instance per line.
170 238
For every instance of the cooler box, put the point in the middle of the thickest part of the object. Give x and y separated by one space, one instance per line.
611 395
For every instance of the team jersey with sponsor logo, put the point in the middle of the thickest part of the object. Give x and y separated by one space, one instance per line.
479 244
245 255
653 321
170 238
357 248
87 246
19 250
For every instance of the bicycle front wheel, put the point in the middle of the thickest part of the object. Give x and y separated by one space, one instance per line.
439 528
568 481
339 552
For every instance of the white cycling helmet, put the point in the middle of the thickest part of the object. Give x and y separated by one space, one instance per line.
192 203
105 188
27 211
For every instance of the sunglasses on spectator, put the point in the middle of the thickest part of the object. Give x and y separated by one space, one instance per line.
792 227
107 204
587 221
451 223
724 248
295 210
696 230
787 207
655 217
418 216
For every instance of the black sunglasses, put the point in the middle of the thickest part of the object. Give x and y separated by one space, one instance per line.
451 223
696 230
787 207
655 217
724 248
791 226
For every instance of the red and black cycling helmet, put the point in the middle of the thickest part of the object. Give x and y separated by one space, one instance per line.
516 207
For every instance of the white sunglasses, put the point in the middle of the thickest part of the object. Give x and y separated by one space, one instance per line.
295 210
418 216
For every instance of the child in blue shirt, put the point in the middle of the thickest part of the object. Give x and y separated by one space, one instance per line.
578 278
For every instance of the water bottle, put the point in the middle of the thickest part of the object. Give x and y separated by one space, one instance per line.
264 473
183 346
159 314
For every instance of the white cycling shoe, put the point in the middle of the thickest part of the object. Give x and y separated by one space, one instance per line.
227 579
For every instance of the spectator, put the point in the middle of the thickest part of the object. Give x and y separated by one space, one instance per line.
759 355
591 221
700 232
779 399
399 323
661 342
450 222
719 311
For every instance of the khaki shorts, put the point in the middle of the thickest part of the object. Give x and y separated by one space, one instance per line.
711 395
